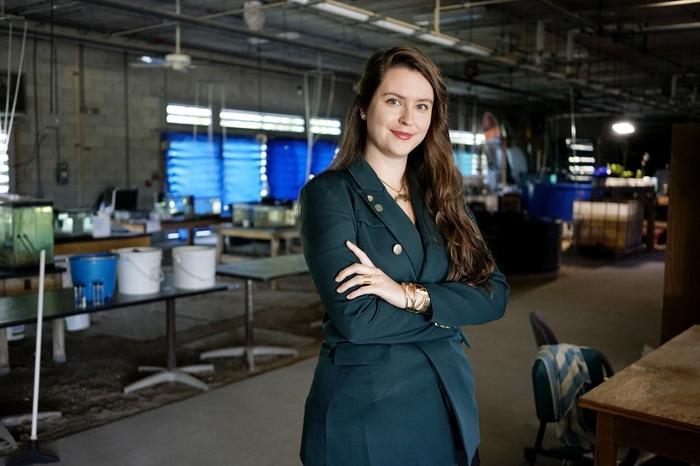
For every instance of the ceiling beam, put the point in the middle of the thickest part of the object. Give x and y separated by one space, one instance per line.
600 32
207 23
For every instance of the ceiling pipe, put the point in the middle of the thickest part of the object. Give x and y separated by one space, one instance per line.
455 44
123 6
228 59
221 14
201 53
599 31
630 29
205 23
469 5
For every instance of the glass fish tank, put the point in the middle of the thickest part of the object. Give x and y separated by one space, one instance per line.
26 227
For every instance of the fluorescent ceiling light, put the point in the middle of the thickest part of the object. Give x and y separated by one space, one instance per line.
324 126
266 121
438 39
395 25
623 127
299 2
340 9
466 137
188 110
577 159
324 130
475 50
581 145
240 115
581 169
669 3
328 123
188 120
188 115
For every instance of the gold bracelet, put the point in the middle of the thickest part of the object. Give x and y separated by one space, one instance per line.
424 296
417 298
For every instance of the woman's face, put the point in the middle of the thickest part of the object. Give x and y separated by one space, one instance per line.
398 116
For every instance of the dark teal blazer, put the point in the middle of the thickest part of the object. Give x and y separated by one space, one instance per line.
385 376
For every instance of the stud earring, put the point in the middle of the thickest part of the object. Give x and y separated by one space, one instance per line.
363 116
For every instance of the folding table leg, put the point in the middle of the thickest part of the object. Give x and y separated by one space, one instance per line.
4 353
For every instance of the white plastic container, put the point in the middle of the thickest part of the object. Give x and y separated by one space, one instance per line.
194 266
16 332
77 322
139 270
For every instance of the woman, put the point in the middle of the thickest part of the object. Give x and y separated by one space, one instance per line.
400 266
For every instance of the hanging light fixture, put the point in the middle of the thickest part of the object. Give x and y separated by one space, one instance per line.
623 127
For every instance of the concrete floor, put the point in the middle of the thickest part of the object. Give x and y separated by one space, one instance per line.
615 307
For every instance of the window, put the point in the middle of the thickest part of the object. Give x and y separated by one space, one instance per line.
193 166
244 170
287 164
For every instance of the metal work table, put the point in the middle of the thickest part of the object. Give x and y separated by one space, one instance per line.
86 244
17 310
273 234
261 270
175 223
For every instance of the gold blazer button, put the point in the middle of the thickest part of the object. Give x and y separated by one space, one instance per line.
397 249
370 198
378 207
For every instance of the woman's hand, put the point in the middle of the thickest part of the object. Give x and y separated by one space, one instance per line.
370 280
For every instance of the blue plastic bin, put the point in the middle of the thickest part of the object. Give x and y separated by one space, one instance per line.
86 269
556 200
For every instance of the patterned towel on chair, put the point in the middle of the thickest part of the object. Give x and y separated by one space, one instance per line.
567 373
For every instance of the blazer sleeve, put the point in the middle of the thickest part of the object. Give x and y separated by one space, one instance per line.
326 223
455 304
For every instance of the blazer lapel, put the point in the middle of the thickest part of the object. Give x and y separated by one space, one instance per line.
435 262
380 202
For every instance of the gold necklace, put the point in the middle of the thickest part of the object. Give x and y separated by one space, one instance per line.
400 196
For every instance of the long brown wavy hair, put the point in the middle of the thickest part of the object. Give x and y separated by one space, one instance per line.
431 163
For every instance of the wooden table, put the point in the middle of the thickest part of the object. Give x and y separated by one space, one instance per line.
652 405
86 244
274 235
261 270
17 310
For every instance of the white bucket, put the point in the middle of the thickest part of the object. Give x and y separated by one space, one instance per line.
78 322
194 266
138 270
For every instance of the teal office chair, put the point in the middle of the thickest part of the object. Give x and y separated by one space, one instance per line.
599 369
546 413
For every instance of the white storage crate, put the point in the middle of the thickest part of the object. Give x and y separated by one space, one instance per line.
615 226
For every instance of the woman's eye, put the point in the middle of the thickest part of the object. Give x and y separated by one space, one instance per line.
423 107
393 102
